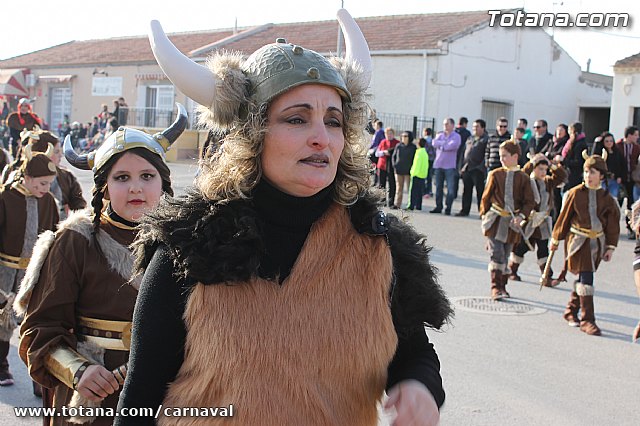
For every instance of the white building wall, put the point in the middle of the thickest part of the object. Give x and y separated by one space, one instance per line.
518 66
396 84
626 97
594 95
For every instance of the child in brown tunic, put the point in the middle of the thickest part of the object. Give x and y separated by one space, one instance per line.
538 229
27 208
78 295
507 202
590 222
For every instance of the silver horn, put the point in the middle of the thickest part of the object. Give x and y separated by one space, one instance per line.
177 127
78 161
194 80
356 45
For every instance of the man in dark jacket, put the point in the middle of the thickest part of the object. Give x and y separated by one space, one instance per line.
541 138
492 153
473 169
464 135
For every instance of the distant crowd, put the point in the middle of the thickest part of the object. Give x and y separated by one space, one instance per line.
457 153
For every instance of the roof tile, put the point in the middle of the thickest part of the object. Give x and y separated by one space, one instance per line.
398 32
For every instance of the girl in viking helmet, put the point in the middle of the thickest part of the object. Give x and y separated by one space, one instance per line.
277 289
27 208
65 187
590 222
76 296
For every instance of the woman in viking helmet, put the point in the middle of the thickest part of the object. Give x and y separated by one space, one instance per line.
77 296
276 289
27 208
590 222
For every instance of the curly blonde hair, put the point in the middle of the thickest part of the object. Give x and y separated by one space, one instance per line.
236 168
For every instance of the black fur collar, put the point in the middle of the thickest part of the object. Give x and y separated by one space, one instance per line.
216 243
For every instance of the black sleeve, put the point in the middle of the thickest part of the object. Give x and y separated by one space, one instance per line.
416 359
417 301
158 337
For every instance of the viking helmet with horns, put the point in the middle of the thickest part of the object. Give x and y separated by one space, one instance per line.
230 84
126 138
596 161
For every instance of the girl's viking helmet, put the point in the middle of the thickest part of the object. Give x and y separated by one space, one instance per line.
38 164
126 138
229 84
596 161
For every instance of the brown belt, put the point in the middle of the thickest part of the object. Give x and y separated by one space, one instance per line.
107 334
13 261
586 232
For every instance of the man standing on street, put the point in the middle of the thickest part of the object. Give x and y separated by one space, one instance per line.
446 144
492 153
541 138
630 151
523 123
464 135
473 169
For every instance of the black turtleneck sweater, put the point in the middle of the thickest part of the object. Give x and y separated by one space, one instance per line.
287 221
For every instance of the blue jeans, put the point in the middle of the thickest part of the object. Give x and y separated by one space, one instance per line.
614 188
450 176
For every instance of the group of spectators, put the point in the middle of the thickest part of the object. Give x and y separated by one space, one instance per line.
84 136
457 153
88 136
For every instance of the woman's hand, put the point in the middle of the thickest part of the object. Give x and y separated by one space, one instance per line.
414 404
97 383
607 255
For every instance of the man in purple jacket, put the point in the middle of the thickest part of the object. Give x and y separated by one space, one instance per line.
446 144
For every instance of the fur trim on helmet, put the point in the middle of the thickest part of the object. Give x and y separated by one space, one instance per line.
353 77
232 91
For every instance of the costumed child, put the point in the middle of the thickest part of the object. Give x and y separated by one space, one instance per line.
78 295
635 225
507 201
538 228
65 187
590 223
27 208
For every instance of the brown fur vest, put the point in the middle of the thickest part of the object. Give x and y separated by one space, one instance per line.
260 346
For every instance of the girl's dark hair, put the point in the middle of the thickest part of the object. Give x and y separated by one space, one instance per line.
100 183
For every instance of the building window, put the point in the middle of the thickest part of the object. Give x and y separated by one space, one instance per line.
636 117
492 110
159 102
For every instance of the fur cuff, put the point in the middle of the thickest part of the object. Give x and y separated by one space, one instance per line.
542 261
515 259
493 266
584 289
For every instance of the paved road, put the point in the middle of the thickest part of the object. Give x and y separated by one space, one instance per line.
501 369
